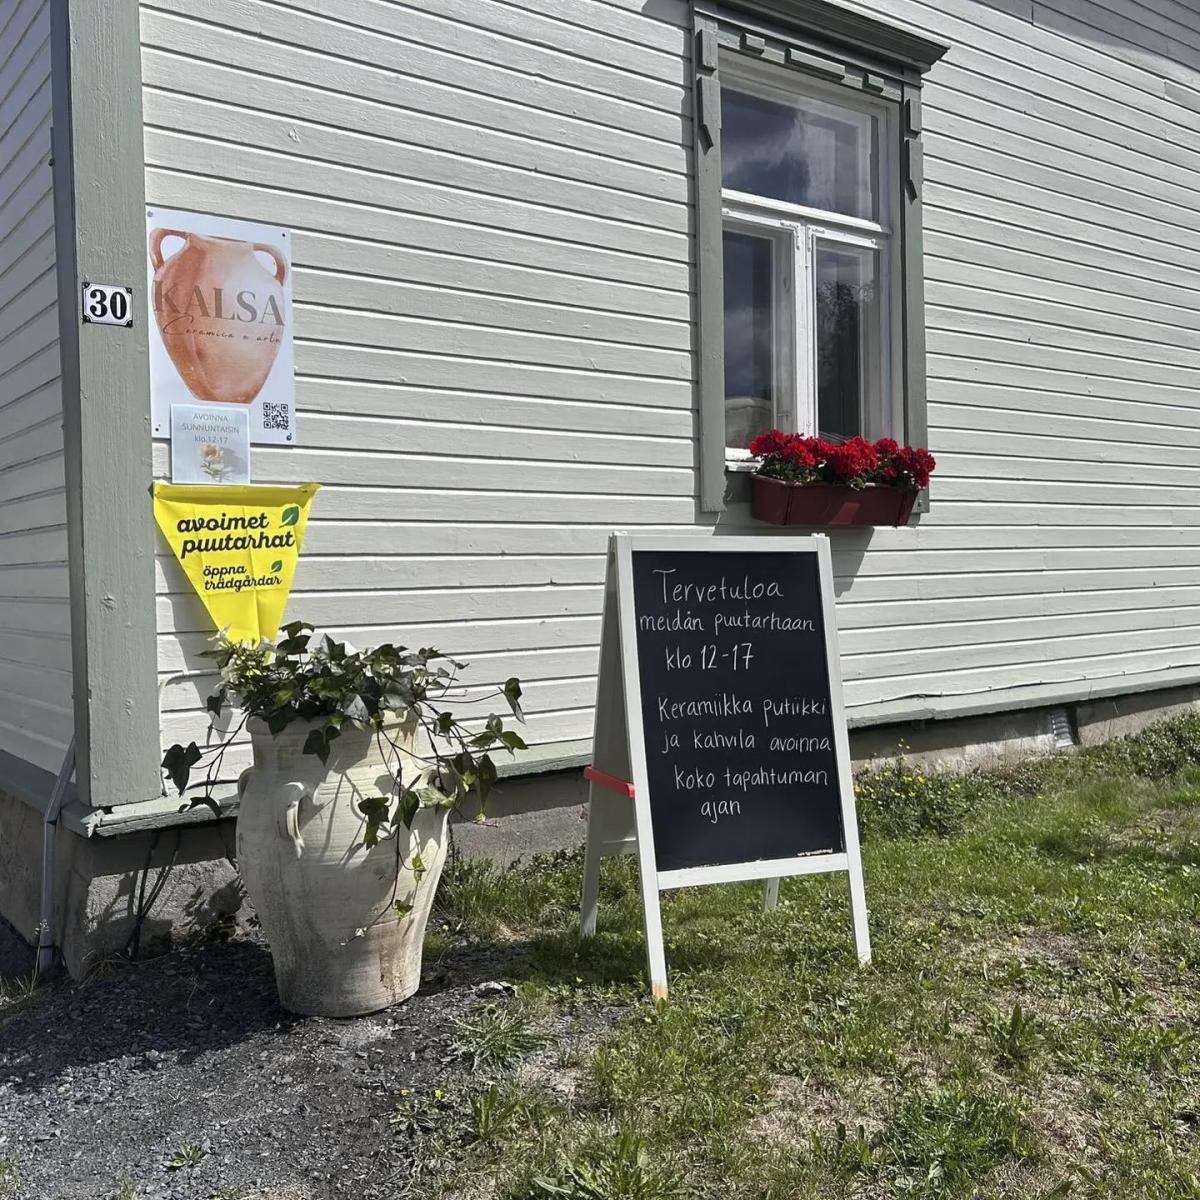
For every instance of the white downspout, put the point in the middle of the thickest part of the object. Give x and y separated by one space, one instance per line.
45 943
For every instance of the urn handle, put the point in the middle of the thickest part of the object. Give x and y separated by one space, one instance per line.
157 237
289 817
280 265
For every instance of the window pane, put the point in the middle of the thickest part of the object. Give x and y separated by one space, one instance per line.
749 338
847 314
818 155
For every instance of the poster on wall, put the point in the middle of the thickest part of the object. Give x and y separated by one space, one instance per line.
210 443
221 335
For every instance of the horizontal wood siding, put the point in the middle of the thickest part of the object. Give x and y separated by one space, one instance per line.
494 340
491 269
1063 311
35 631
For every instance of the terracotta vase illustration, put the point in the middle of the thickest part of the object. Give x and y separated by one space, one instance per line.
220 313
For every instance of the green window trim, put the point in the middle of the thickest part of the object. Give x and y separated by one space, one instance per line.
826 42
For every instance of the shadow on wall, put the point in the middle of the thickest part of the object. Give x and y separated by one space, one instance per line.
1149 43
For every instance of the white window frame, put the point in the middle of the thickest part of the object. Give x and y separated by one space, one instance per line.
795 334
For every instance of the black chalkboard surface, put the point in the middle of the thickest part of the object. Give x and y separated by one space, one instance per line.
737 716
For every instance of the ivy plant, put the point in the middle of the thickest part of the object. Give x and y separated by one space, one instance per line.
332 686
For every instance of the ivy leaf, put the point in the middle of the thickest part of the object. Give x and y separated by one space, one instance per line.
401 909
486 776
418 867
407 808
178 763
216 702
512 693
512 740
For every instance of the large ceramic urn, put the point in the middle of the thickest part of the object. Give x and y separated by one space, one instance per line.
220 312
327 902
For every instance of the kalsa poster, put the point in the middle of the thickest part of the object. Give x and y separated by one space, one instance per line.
221 331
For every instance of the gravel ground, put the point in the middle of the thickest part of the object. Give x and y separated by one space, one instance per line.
103 1082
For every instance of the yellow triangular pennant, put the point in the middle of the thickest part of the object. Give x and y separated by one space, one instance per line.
238 547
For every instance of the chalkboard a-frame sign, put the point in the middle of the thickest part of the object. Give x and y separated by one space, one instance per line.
720 749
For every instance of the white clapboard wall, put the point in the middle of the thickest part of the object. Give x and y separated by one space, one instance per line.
494 337
35 631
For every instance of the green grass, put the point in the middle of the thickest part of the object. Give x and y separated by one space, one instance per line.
9 1177
1029 1027
17 992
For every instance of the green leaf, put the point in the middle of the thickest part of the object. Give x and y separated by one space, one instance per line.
512 693
407 808
277 565
278 721
290 515
486 776
432 797
418 867
513 741
401 909
216 702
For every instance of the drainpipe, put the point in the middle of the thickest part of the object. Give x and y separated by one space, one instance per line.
58 794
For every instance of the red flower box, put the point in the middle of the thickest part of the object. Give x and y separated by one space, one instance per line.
818 504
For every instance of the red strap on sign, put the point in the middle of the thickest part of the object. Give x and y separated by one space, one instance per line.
605 780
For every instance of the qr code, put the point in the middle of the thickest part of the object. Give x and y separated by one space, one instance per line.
276 416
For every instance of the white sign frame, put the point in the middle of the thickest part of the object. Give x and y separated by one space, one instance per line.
618 824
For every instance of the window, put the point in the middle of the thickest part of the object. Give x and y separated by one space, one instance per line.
808 195
810 292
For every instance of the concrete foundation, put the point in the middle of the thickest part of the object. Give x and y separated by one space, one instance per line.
99 890
100 880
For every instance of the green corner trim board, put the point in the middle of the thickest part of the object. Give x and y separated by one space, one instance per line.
99 206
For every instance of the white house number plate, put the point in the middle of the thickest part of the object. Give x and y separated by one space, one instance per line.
107 304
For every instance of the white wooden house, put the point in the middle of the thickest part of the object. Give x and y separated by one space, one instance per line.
553 261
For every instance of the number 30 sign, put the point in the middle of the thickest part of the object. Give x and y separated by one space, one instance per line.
107 304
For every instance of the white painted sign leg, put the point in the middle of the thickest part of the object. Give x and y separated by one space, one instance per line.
858 905
656 956
591 872
770 894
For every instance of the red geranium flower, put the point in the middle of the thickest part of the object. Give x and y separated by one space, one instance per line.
794 458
